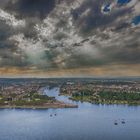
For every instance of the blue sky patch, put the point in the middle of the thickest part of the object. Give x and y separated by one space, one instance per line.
121 2
107 8
136 20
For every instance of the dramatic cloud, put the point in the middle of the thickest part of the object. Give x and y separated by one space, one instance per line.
60 34
26 8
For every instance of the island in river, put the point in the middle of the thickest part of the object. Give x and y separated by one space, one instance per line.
29 93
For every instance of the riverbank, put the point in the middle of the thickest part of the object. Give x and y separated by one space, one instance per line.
45 106
103 93
103 101
106 98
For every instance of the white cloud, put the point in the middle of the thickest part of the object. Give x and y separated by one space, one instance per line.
11 20
33 49
49 28
137 8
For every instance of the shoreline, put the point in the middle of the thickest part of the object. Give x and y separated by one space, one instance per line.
40 107
108 102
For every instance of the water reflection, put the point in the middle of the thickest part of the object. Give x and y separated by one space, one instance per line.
88 122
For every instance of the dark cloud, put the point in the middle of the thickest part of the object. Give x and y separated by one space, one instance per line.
95 18
30 8
5 31
72 34
11 56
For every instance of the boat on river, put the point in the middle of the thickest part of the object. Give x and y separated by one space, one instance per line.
115 123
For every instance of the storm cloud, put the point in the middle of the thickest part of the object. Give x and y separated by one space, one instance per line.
61 34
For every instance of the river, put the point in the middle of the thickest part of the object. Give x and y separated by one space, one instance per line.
87 122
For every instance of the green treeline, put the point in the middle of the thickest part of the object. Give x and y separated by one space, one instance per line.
107 97
120 96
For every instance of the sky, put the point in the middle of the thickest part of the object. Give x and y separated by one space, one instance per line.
69 38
